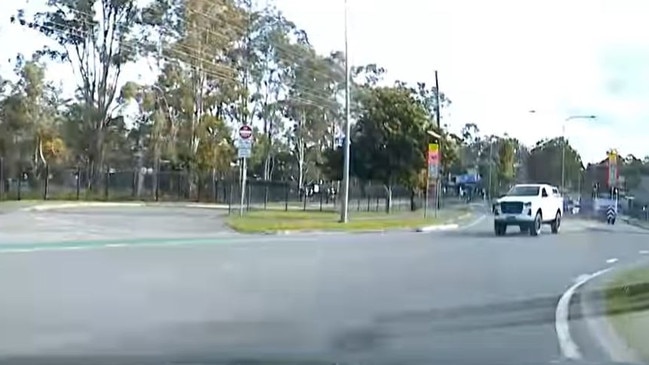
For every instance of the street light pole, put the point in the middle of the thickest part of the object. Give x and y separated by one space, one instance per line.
563 143
344 211
563 146
563 157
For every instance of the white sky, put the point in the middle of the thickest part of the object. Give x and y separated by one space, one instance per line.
496 60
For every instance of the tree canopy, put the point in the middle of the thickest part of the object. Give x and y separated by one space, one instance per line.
217 64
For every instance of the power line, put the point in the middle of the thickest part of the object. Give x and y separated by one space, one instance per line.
286 49
311 97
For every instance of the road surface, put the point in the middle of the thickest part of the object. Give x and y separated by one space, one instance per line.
462 297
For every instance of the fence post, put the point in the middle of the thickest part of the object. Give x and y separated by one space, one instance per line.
2 178
157 185
78 187
20 182
265 194
215 188
106 182
135 183
286 192
230 197
321 200
249 186
305 197
46 182
199 187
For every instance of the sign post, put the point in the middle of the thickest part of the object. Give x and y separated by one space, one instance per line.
613 173
612 181
244 151
432 175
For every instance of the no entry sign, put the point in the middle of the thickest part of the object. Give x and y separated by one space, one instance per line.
245 132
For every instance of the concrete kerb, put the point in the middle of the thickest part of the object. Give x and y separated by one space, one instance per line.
438 227
636 223
55 206
70 205
446 227
339 232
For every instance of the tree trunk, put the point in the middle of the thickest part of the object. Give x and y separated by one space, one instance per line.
97 169
413 206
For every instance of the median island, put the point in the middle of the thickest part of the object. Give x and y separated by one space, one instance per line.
627 306
268 221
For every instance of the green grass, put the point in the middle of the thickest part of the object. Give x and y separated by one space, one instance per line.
270 220
627 304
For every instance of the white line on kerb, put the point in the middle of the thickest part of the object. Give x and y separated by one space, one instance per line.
568 347
475 222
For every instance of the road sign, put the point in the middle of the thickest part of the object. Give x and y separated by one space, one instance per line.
433 153
244 148
433 161
611 215
244 152
245 132
433 171
610 211
613 172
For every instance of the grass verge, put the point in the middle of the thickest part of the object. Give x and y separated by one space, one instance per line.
270 221
627 305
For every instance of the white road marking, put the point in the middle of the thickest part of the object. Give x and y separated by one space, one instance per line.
19 250
568 347
190 242
581 277
611 261
643 252
70 248
475 222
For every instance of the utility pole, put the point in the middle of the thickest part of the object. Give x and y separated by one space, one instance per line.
244 111
491 157
437 121
344 207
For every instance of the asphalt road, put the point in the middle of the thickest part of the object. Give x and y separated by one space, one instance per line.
463 297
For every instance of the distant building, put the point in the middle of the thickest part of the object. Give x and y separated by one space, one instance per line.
598 173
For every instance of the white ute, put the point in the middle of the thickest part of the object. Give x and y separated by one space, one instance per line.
529 206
